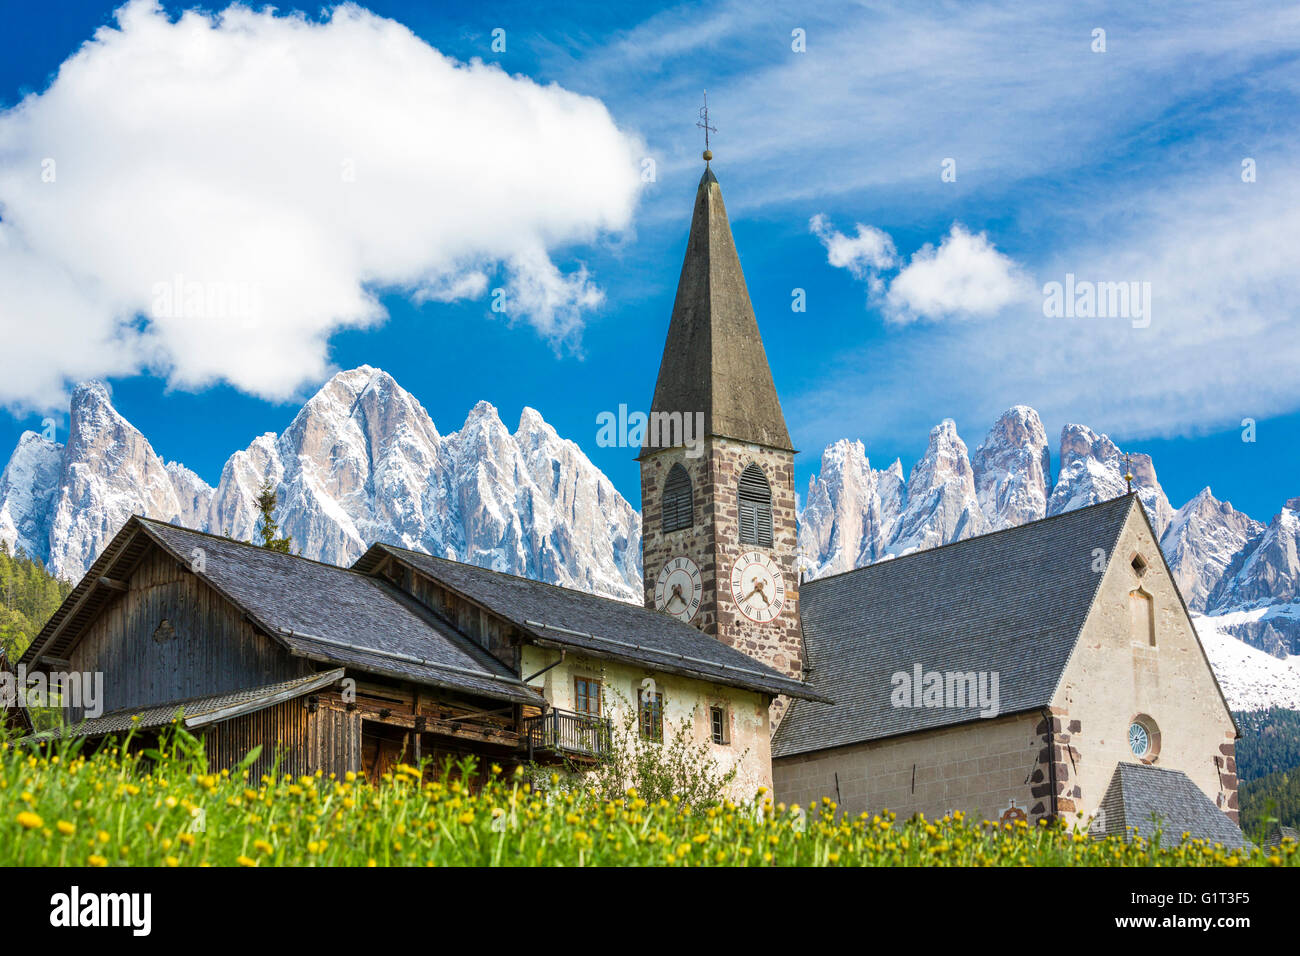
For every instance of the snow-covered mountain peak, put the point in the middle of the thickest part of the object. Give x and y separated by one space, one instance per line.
850 511
531 422
1012 469
108 471
27 487
1092 469
1201 541
941 502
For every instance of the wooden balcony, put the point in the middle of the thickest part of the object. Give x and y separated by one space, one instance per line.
565 733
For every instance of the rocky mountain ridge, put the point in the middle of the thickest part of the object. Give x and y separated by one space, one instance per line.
361 462
1223 560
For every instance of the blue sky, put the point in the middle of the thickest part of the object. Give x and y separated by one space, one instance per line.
1115 165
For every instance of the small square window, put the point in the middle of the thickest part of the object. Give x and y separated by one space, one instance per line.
719 726
1139 565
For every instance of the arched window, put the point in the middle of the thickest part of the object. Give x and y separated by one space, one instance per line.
755 508
1142 617
679 508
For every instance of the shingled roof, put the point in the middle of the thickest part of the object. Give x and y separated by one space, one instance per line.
1011 602
1146 797
317 611
600 626
713 359
198 711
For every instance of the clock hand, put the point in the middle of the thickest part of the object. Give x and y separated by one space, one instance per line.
758 589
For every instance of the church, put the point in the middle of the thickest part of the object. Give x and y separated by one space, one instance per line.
1045 671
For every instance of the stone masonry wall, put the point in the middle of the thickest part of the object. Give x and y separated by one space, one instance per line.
986 769
714 545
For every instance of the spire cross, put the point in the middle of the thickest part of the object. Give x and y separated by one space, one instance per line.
1128 474
704 125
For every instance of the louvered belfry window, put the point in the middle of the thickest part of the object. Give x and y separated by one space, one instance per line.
678 505
755 508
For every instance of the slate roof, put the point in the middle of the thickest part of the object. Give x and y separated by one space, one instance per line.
1277 833
713 360
314 610
198 711
1011 602
602 626
1137 792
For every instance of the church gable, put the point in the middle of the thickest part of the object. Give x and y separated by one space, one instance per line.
1138 687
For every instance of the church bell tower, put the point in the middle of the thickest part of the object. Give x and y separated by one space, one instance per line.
719 543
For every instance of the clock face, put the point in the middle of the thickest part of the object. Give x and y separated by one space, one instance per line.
678 589
757 586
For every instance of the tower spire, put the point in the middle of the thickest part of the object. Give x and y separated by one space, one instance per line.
713 360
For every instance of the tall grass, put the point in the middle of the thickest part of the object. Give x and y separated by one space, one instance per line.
60 805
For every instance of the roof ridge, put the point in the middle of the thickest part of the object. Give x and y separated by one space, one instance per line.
978 537
248 544
1150 766
515 577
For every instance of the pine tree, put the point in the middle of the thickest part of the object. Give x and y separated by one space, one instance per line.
266 502
29 594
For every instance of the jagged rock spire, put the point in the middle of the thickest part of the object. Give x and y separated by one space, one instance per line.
714 360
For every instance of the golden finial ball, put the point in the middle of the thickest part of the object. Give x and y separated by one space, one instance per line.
708 155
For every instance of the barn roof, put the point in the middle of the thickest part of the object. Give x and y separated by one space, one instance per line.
317 611
600 626
1145 797
198 711
1011 602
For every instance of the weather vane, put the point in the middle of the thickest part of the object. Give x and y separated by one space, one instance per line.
704 125
1128 474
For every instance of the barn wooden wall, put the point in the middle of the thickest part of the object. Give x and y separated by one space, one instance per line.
496 636
208 648
334 741
328 740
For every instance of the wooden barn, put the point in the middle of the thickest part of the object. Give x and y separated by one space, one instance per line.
402 657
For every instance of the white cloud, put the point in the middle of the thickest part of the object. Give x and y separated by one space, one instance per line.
279 172
553 300
864 255
966 276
